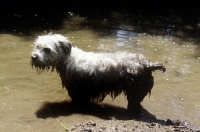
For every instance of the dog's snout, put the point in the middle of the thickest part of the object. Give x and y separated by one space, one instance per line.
33 57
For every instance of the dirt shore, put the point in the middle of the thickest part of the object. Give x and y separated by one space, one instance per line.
132 125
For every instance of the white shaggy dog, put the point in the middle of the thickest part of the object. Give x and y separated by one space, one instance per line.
90 76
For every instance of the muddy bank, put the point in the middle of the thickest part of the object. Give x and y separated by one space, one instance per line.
128 126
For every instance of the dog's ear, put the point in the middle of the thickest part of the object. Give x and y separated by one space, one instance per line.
66 46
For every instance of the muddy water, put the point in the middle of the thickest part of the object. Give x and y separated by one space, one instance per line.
37 102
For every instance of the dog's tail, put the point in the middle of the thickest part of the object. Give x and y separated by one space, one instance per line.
157 66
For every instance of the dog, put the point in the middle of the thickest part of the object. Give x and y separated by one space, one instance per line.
90 77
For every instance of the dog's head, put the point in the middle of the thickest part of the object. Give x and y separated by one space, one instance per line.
48 50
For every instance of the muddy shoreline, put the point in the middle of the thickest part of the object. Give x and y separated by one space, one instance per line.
113 125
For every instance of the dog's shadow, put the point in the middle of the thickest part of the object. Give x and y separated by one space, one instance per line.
101 110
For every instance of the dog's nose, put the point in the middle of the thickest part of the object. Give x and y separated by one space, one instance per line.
33 57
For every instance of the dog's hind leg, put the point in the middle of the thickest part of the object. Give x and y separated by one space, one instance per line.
137 89
134 99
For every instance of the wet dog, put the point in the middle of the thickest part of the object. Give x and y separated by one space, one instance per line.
90 76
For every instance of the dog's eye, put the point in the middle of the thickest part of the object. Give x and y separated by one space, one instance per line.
47 50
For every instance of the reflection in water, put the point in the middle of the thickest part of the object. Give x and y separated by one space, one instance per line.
123 37
120 40
175 94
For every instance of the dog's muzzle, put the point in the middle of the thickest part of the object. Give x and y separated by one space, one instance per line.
33 58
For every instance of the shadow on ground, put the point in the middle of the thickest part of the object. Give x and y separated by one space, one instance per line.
102 110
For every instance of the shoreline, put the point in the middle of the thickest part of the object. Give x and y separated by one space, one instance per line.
113 125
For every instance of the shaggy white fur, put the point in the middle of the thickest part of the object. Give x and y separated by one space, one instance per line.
92 62
86 61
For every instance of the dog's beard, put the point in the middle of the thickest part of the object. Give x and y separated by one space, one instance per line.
44 63
39 67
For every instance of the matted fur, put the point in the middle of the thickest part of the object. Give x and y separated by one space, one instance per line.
90 76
